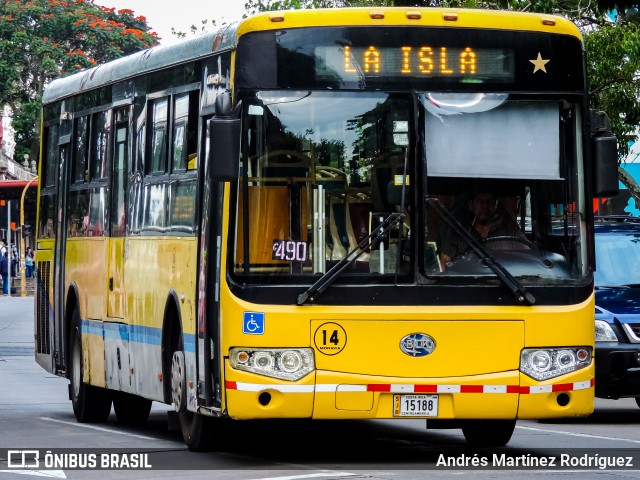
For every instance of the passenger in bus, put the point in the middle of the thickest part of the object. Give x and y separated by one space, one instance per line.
484 219
47 229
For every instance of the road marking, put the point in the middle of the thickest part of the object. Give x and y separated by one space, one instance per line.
100 429
310 475
38 473
583 435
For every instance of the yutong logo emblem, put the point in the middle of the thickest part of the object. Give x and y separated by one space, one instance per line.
417 345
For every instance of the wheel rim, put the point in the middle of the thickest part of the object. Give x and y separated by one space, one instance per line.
178 381
76 365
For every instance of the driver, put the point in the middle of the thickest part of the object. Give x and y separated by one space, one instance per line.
486 219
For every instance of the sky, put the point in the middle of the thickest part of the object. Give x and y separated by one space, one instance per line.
181 15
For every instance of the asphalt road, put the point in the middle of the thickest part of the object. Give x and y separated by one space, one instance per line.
36 415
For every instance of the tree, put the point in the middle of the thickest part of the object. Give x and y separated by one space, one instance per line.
41 40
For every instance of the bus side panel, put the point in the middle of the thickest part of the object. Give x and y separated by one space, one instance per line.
117 367
96 285
153 268
85 267
76 273
93 353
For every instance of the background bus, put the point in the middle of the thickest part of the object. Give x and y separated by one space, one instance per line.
251 223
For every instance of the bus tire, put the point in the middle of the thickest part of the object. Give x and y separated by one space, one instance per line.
488 433
90 404
196 428
131 409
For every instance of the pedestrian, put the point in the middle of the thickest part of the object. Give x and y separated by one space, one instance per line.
15 262
4 272
29 259
3 247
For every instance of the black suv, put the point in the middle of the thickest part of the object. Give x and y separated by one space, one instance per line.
617 280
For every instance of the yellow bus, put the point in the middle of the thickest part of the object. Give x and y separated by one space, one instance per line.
331 214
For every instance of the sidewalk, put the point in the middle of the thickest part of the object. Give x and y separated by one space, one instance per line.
16 326
16 286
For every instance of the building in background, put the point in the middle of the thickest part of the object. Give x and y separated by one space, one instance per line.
11 168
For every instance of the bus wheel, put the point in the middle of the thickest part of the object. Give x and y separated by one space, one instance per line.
196 428
90 404
131 409
488 433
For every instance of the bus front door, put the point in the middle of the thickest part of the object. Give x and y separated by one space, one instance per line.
116 295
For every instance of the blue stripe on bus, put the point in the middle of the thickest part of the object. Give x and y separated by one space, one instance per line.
132 333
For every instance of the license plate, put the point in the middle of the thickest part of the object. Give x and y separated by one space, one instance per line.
415 405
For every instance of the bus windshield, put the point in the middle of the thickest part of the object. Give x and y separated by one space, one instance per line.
491 177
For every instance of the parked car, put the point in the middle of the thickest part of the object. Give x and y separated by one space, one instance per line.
617 280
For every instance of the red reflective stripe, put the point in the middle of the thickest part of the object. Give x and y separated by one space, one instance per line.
231 385
562 387
471 388
374 387
425 388
513 389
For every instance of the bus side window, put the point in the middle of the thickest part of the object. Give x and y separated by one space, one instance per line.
185 134
100 133
158 136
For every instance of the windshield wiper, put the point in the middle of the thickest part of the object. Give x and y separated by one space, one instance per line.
502 273
334 272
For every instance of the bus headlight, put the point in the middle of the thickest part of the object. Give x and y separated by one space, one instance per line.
545 363
285 363
604 332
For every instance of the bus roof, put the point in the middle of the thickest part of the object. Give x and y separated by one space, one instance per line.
193 48
145 61
410 16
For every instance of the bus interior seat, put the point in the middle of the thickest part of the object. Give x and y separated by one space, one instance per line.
358 210
335 182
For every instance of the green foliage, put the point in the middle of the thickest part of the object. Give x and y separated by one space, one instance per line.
44 39
613 69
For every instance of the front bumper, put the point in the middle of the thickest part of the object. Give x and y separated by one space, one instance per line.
333 395
617 370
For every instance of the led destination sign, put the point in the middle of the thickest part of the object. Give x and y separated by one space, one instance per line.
425 61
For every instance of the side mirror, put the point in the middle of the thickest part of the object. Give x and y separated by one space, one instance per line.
224 141
604 154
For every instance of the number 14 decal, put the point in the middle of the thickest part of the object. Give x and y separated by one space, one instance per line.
333 338
330 338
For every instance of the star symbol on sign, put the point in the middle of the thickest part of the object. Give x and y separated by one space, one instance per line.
539 64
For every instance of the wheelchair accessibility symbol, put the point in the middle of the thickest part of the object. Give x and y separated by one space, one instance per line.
253 323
